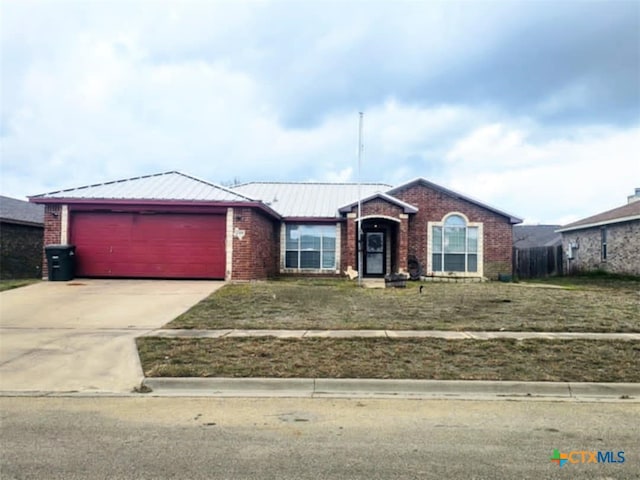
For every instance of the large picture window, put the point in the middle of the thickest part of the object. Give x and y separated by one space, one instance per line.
454 246
311 247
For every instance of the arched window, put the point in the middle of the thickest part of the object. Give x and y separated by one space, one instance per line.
454 246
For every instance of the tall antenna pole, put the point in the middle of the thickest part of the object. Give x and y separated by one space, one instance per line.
360 149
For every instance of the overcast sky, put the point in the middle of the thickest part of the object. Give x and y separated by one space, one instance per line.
530 106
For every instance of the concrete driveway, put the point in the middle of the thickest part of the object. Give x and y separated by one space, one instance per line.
79 335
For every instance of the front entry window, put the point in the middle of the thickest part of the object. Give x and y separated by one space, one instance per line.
454 246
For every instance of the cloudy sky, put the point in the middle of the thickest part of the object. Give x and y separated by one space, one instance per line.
530 106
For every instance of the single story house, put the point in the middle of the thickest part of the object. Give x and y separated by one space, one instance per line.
608 241
172 225
21 238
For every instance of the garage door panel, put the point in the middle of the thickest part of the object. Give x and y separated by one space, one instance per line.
149 245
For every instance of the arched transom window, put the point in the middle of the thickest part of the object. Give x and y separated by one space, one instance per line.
454 246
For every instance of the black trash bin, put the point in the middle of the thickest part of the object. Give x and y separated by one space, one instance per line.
61 260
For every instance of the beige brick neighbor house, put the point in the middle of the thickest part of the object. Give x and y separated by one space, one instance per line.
172 225
608 241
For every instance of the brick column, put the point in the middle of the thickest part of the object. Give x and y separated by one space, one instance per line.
349 255
403 242
52 232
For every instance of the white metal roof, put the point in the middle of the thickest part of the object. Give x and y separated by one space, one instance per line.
161 186
308 200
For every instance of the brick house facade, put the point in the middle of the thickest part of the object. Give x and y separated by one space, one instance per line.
609 241
410 236
261 230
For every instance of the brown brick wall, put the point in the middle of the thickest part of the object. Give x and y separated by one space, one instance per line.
623 249
433 205
256 255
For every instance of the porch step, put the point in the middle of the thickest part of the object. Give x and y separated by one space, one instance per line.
373 283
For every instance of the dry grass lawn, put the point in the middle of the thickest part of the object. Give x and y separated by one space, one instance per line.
11 284
589 305
426 358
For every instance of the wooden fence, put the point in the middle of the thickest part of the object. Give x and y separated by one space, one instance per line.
537 262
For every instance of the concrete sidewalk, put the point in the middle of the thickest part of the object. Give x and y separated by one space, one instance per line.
452 335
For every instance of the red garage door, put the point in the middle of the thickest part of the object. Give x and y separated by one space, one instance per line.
149 245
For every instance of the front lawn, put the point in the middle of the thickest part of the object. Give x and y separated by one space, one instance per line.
424 358
580 306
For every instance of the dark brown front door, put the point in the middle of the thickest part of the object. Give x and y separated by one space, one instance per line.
374 254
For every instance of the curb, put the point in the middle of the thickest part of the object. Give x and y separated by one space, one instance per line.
375 388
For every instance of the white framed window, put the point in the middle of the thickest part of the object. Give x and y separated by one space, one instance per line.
455 246
310 247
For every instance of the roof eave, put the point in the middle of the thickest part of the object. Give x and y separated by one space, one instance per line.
157 202
407 208
603 223
26 223
512 219
312 219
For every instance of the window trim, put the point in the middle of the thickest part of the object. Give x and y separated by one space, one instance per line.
284 250
479 251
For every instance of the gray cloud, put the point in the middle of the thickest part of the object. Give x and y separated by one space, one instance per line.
574 61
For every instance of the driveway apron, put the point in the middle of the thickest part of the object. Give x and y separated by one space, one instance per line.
79 336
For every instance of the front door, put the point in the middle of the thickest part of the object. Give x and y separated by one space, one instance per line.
374 253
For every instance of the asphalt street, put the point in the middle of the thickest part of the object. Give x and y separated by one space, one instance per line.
286 438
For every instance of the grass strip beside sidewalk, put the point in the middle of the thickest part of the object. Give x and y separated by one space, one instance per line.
414 358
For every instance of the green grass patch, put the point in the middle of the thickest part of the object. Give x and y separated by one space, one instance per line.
414 358
11 284
595 306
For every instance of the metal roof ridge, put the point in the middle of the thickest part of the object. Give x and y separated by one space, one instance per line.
111 182
309 183
140 177
215 185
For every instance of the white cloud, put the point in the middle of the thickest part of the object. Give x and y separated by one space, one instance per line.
550 181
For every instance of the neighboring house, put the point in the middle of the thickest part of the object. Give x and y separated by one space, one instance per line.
607 241
21 237
172 225
531 236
